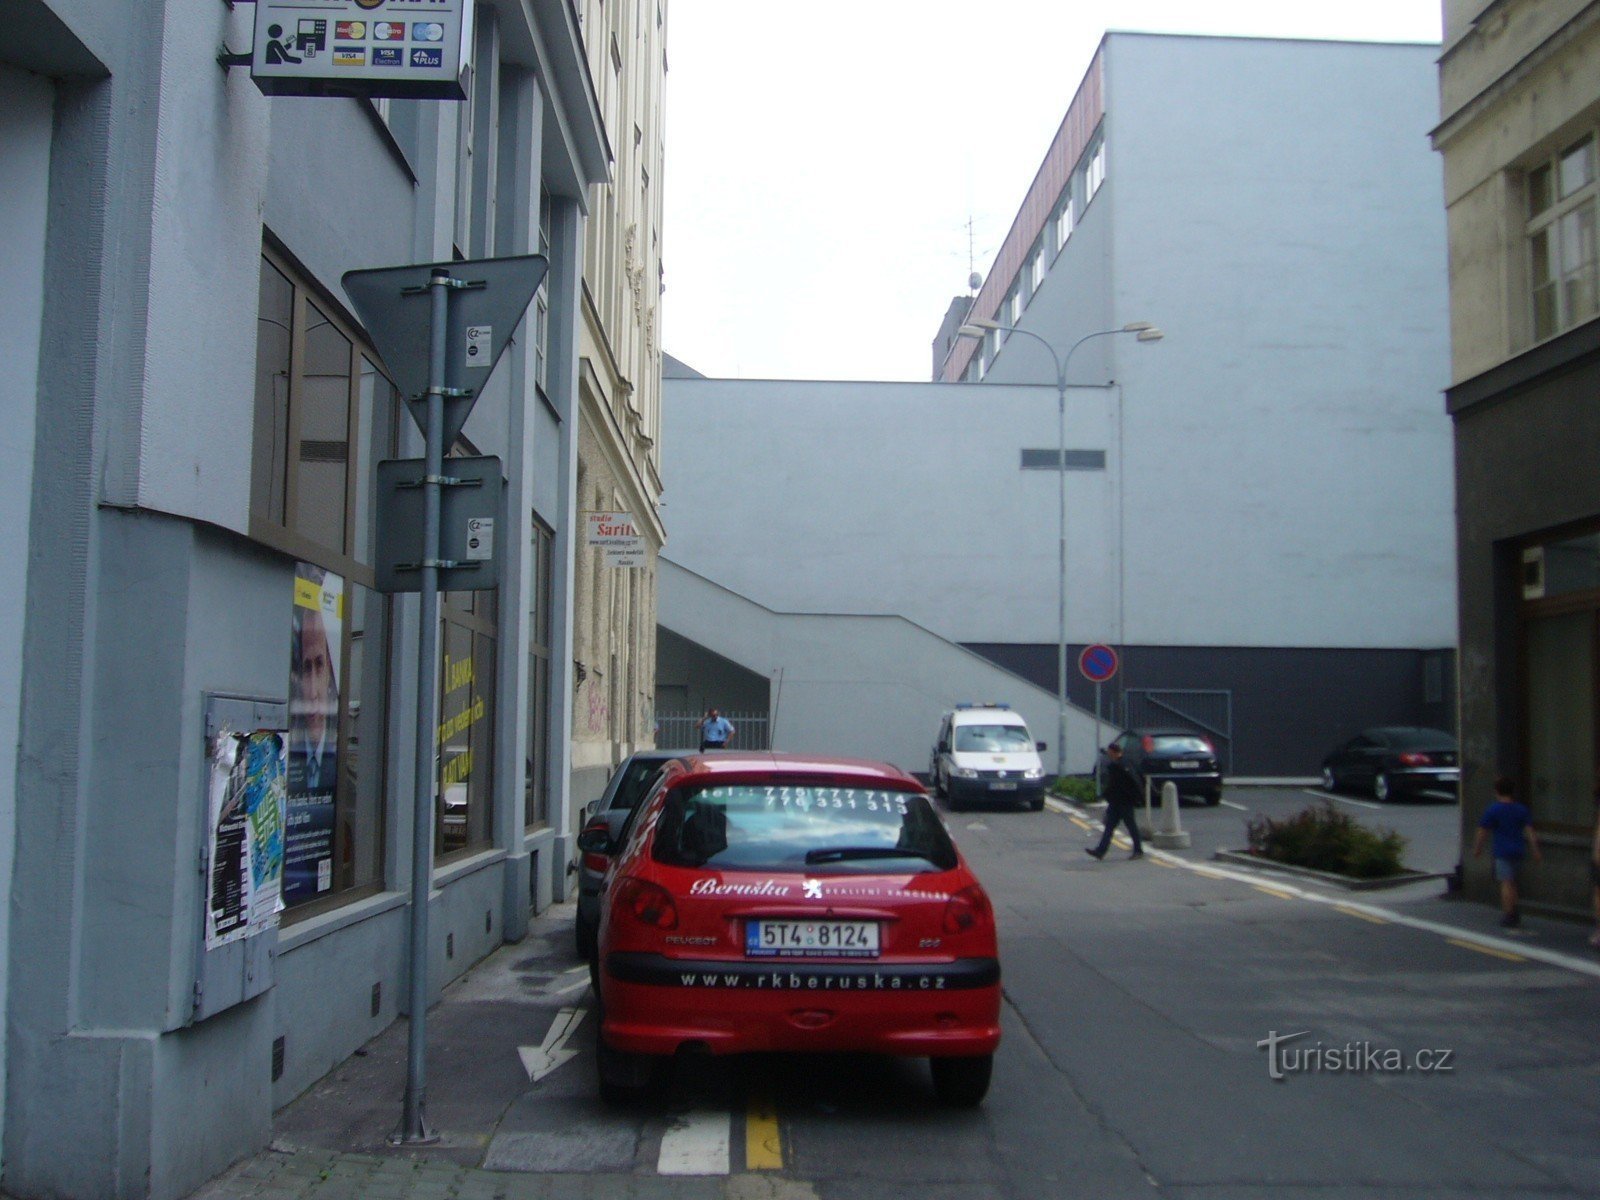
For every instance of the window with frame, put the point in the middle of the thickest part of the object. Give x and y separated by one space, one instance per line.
1560 639
464 800
536 783
1094 173
541 298
1562 204
1064 218
324 413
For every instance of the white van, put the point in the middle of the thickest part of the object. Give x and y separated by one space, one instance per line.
985 754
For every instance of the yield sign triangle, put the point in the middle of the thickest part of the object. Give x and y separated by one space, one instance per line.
396 306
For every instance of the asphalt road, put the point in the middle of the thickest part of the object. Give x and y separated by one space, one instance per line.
1421 1054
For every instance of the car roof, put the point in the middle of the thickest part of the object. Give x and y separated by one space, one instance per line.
728 763
1164 731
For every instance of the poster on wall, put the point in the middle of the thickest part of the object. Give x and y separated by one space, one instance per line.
313 757
246 842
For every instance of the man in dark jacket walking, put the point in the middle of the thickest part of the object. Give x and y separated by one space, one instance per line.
1123 794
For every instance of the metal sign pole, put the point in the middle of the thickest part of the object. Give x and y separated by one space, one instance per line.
413 1122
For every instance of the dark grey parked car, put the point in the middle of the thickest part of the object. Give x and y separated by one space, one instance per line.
1396 762
629 784
1182 756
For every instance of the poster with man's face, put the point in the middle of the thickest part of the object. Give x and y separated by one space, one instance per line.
314 699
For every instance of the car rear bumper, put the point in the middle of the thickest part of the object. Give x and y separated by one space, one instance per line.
1426 779
1190 783
657 1005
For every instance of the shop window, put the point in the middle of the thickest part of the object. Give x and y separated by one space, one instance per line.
324 413
536 781
1560 651
464 801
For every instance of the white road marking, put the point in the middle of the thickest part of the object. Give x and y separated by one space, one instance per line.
1341 799
539 1061
978 825
1496 945
696 1144
1231 804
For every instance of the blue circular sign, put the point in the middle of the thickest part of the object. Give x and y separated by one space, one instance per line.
1098 663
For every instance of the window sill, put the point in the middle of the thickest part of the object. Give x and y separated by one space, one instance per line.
460 868
291 937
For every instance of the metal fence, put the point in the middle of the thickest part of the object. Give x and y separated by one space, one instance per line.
678 730
1204 711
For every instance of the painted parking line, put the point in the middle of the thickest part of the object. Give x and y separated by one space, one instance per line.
1340 799
1231 804
1359 915
1490 950
697 1143
763 1145
1272 891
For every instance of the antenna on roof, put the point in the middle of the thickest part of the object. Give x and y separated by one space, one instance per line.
974 280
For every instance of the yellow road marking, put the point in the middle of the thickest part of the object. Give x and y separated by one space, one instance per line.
1489 950
1271 891
763 1147
1358 914
1163 863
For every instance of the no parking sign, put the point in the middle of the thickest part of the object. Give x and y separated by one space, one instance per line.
1098 663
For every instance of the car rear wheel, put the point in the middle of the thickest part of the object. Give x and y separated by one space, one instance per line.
1329 782
1382 788
625 1079
962 1082
1212 799
1037 805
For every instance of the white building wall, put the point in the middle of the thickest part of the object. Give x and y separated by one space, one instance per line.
1288 461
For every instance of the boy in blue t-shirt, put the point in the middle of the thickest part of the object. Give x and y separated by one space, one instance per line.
1511 825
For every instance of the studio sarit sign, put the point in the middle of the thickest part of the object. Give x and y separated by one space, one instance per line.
405 49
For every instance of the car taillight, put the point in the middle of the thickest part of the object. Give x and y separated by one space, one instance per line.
648 903
1210 749
1149 743
596 862
1415 758
967 910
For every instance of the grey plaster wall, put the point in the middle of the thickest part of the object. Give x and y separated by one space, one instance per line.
1276 210
25 149
869 687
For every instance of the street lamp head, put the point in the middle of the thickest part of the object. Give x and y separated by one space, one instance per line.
1150 334
1137 326
971 331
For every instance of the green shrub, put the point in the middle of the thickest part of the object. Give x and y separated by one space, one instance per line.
1074 787
1325 839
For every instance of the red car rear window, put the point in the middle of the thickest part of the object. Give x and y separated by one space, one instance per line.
802 827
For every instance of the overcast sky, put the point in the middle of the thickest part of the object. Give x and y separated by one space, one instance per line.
823 160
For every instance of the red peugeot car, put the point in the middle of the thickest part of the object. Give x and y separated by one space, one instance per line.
778 902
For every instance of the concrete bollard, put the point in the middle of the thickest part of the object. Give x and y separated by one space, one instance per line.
1169 833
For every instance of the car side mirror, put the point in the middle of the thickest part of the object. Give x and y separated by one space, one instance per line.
1041 747
595 838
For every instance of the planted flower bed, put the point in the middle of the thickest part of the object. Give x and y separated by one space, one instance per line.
1322 838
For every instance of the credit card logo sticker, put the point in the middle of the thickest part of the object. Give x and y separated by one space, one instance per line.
389 31
388 56
427 31
350 31
427 58
349 56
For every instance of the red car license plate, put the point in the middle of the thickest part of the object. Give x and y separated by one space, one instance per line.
811 939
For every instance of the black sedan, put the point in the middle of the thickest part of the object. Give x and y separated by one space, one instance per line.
629 784
1396 762
1181 755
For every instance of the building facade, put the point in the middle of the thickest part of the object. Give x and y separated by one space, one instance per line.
196 414
1519 126
1259 507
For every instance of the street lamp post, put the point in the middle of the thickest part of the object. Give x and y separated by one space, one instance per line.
1145 332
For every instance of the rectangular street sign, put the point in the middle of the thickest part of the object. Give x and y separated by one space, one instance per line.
619 542
414 49
469 512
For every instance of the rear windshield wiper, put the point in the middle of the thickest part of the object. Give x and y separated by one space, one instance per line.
840 853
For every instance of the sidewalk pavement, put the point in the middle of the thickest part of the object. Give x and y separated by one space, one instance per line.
502 1134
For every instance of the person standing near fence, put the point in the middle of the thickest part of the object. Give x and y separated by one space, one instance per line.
716 731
